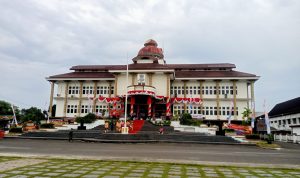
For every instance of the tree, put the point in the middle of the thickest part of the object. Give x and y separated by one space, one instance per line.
5 108
246 116
247 112
89 118
33 114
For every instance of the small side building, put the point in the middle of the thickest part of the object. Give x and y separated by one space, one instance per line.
285 116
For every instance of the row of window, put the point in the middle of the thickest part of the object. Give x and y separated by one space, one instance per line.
292 121
101 90
74 109
206 90
86 108
225 111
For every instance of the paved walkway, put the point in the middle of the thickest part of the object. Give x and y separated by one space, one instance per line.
16 163
38 168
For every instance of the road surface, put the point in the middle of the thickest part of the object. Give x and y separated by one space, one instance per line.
193 153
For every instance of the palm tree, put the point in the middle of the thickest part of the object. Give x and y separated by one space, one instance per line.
247 114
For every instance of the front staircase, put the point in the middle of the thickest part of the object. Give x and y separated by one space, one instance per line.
137 126
149 127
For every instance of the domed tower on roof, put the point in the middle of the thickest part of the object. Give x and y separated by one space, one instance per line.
150 53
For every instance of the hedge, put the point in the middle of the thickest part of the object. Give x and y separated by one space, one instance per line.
16 130
252 136
47 125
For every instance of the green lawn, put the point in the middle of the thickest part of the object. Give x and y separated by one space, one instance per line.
91 168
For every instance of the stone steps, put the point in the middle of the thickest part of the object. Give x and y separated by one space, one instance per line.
143 136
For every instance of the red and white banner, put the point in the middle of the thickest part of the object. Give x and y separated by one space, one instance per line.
149 102
186 100
168 105
109 100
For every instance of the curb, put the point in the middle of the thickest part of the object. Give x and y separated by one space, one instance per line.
130 141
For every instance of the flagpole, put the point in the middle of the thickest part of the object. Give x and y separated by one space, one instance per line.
15 119
125 130
267 121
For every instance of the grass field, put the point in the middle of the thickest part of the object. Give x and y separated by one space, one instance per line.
115 169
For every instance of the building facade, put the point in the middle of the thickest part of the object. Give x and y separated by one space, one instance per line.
155 89
285 116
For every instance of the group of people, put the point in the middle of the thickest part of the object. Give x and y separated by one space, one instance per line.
118 125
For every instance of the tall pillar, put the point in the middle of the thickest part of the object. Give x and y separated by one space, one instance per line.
109 86
80 98
252 96
184 94
51 98
95 95
218 97
116 85
168 84
201 95
247 86
132 78
234 98
150 79
66 98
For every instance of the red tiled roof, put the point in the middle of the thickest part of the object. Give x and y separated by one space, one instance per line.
84 75
201 66
154 66
98 67
211 74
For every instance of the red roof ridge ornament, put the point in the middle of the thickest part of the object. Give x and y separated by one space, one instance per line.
150 51
150 42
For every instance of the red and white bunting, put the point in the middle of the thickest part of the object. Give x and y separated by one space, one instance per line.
149 102
168 105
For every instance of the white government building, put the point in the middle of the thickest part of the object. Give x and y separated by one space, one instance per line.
155 89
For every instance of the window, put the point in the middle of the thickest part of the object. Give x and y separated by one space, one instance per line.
294 121
100 109
104 90
72 90
279 122
289 121
72 109
178 109
141 79
84 108
86 90
112 90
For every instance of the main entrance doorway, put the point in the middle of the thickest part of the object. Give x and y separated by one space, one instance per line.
144 108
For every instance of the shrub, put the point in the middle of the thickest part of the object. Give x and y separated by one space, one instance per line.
89 118
269 139
252 136
186 119
47 125
16 130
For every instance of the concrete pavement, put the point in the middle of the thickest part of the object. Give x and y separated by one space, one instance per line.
159 152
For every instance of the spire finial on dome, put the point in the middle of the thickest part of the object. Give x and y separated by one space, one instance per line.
150 42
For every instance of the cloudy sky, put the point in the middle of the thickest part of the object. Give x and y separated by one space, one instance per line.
43 38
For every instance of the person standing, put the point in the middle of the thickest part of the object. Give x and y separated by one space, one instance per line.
71 135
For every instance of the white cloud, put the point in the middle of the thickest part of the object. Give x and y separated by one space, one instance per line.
41 38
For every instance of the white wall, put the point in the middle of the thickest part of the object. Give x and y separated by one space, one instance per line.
159 81
274 121
296 130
